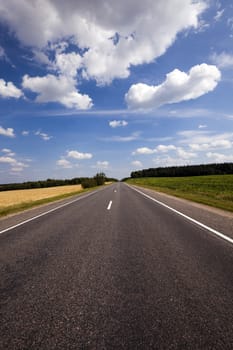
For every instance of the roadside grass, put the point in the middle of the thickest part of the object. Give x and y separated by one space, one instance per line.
15 201
213 190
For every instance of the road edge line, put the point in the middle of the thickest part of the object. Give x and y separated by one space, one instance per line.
217 233
46 212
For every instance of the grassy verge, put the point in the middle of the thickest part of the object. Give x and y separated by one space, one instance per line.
214 190
11 209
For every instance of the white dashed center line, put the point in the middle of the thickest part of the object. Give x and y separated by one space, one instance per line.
109 205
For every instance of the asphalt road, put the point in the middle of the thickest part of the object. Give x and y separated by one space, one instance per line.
115 270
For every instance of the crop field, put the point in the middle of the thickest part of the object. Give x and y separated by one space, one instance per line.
12 201
213 190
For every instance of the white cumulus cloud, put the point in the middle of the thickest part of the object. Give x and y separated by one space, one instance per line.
9 159
165 148
64 163
69 160
68 63
117 123
158 149
220 144
9 132
182 155
18 167
8 89
61 89
6 159
219 157
178 86
8 152
201 140
144 150
79 155
111 36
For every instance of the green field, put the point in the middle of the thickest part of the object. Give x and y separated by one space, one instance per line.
213 190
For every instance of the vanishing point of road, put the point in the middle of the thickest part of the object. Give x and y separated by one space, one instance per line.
115 269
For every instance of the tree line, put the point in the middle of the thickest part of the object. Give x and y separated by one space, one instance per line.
186 170
97 180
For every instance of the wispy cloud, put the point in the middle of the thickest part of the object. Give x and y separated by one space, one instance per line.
8 152
202 126
219 15
64 163
219 157
133 137
9 158
3 56
202 140
101 165
137 163
42 135
169 160
223 60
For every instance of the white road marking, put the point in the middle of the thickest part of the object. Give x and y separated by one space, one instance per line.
46 212
217 233
109 205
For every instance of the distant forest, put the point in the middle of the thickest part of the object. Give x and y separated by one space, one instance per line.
98 179
187 170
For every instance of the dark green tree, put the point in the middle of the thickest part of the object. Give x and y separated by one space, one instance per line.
100 178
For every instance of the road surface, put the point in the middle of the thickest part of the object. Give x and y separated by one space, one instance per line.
114 270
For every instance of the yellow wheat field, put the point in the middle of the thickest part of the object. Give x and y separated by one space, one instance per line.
9 198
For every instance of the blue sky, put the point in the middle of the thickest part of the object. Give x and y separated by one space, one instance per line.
89 86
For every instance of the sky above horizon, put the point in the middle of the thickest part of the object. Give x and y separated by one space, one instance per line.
113 86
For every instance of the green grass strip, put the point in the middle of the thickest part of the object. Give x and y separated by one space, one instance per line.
213 190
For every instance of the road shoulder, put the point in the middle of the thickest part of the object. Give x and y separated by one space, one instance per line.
215 218
26 215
